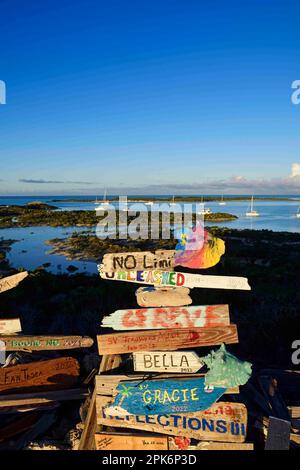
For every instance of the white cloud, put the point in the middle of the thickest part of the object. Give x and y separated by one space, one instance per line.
295 170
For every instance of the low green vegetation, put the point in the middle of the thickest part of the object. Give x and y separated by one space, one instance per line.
38 214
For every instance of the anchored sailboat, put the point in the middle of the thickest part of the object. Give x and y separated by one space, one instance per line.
173 203
252 212
222 202
298 213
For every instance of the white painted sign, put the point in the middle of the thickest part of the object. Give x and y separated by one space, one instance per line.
167 361
177 279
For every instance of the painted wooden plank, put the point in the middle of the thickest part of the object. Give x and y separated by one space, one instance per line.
10 282
167 361
155 397
42 397
223 422
112 441
184 443
45 343
163 296
168 317
106 384
294 411
87 441
177 279
139 261
54 373
166 340
278 437
10 326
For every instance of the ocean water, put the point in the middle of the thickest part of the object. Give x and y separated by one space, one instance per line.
31 251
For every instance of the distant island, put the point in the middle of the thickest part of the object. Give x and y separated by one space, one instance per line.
180 199
39 214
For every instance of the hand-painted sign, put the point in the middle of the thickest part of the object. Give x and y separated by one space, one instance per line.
10 282
168 317
40 343
139 261
176 279
163 396
225 370
166 340
198 249
111 441
225 422
107 384
163 296
185 362
54 373
10 326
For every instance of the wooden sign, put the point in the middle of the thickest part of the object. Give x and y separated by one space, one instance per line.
54 373
139 261
111 441
141 398
176 279
163 296
45 343
10 282
42 397
10 326
168 317
186 362
223 422
107 384
166 340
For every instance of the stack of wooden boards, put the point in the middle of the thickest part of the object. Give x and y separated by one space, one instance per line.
37 375
162 402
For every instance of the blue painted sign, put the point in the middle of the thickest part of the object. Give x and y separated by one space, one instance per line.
164 396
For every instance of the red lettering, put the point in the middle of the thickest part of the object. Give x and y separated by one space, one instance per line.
180 279
133 319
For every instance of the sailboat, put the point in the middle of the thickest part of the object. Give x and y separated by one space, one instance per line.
222 202
173 203
103 203
204 211
298 213
252 212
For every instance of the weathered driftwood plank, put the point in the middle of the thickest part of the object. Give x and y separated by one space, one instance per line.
87 441
278 437
183 443
139 261
163 296
10 282
177 279
186 362
43 343
153 397
42 397
162 340
107 384
54 373
223 422
10 326
112 441
168 317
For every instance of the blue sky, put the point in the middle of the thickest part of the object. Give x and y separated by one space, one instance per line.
149 96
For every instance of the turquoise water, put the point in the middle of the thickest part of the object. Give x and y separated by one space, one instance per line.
30 251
